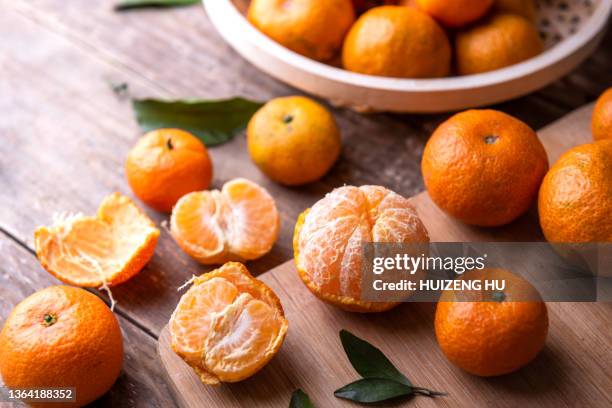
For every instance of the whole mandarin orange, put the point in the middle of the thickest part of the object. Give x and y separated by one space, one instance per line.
525 8
397 41
484 167
601 122
166 164
488 333
497 42
455 13
313 28
62 337
575 200
293 140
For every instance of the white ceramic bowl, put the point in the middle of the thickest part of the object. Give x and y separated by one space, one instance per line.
573 40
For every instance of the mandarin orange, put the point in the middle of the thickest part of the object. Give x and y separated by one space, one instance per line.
491 333
601 121
496 42
455 13
293 140
62 337
312 28
397 41
228 325
165 165
575 200
240 222
484 167
328 239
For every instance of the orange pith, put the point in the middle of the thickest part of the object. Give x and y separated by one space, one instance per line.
61 336
240 222
108 248
494 337
328 240
228 325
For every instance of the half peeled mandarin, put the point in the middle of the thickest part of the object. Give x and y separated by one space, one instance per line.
228 325
240 222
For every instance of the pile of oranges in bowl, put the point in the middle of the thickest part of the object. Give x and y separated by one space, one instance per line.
404 38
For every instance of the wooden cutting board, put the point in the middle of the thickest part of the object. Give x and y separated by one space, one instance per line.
574 369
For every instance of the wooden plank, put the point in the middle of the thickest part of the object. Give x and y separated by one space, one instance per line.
65 134
573 370
141 382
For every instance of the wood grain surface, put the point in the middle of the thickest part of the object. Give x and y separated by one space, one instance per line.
65 135
574 369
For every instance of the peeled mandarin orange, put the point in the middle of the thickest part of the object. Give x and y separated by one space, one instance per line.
61 337
397 41
228 325
106 249
240 222
165 165
328 240
455 13
490 333
313 28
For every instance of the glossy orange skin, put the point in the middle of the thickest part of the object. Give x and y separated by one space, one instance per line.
455 13
484 167
313 28
397 41
497 42
601 122
489 338
166 164
575 200
83 348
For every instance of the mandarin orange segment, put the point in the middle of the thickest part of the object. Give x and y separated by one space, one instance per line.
240 222
106 249
228 325
328 240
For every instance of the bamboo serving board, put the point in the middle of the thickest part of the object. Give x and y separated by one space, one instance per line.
573 370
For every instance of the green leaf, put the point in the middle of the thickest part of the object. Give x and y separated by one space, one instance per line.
133 4
368 360
369 390
213 121
299 399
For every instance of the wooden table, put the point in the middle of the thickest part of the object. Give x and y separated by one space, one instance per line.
64 135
